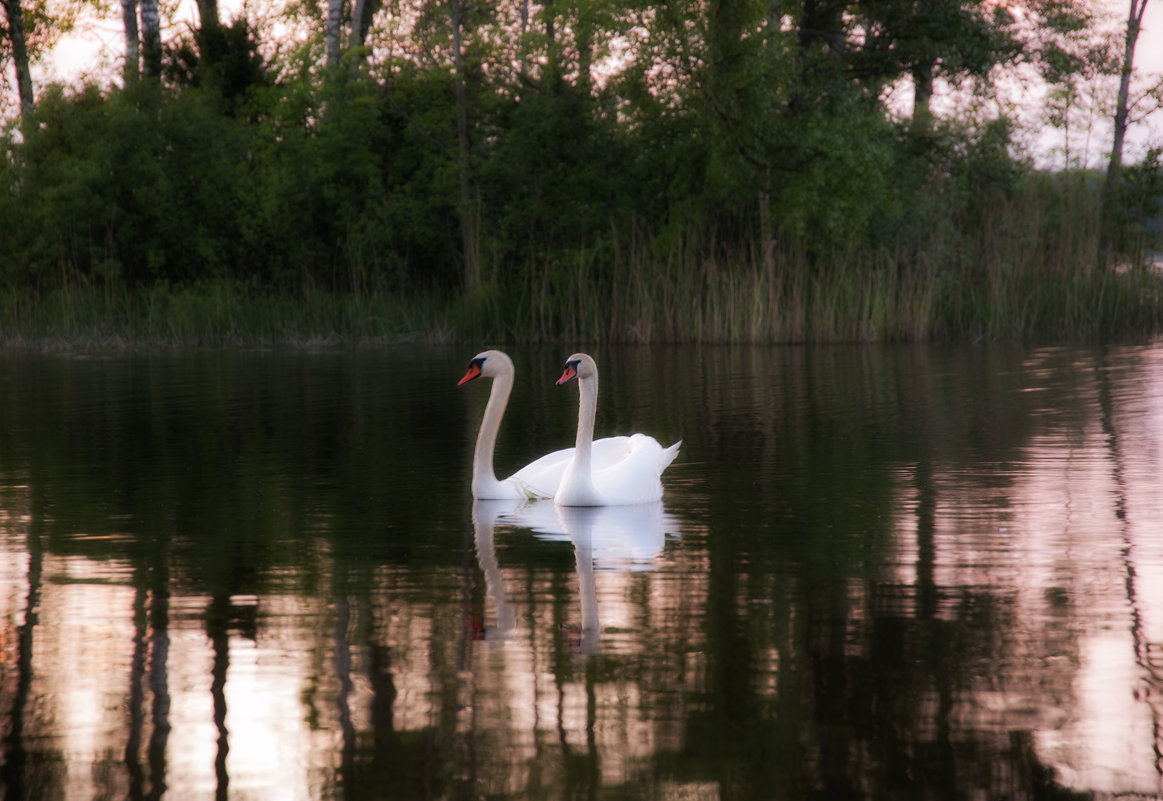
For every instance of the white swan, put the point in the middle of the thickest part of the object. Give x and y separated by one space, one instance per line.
633 478
538 479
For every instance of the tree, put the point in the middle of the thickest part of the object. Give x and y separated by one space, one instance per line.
361 19
930 40
29 31
14 15
469 214
334 24
132 40
1136 10
151 37
208 13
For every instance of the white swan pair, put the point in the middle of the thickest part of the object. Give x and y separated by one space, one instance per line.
614 471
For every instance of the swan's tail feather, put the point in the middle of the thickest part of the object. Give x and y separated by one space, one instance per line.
670 453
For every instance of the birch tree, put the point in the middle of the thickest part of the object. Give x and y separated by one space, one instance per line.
361 19
14 16
1136 10
332 36
151 38
132 40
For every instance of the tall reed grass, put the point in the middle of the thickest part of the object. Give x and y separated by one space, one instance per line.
1017 265
210 315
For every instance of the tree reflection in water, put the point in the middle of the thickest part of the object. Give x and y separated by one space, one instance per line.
909 572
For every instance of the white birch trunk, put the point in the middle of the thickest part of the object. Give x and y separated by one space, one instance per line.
334 23
132 40
151 37
358 23
15 16
1114 166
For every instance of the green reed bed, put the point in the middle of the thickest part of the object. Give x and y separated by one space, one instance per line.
209 315
1010 265
853 297
1022 264
873 297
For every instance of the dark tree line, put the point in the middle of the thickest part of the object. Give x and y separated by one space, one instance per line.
468 146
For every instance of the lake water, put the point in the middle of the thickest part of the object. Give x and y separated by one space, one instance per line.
929 572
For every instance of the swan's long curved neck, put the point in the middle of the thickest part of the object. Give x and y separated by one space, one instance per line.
482 465
587 411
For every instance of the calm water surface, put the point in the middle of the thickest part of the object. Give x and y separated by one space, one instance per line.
878 572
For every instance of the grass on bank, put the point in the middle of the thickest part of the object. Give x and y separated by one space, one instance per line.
777 300
222 315
1026 266
863 298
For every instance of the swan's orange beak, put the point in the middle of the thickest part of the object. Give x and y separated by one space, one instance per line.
474 371
569 374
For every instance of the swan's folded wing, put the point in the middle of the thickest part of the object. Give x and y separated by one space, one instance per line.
541 477
637 477
610 451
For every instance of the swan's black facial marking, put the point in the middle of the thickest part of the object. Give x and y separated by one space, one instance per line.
475 368
570 372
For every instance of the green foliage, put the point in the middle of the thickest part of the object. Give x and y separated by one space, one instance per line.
1137 213
951 38
126 187
838 177
731 174
224 57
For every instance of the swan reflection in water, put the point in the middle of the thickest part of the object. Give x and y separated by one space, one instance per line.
616 538
485 515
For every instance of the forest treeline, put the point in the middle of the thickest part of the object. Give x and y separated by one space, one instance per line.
735 170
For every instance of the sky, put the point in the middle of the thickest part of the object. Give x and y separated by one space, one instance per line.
97 46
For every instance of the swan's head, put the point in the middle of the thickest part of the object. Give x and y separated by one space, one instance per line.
489 363
579 366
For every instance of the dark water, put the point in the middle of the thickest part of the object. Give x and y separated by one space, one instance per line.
878 572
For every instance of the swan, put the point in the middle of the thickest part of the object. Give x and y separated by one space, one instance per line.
633 478
539 478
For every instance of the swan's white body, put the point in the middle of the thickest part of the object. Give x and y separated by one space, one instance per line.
635 477
539 478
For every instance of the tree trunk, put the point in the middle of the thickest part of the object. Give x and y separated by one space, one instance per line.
361 20
15 17
208 11
822 21
552 58
524 12
334 23
361 23
1114 166
132 68
922 94
584 36
151 38
468 215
